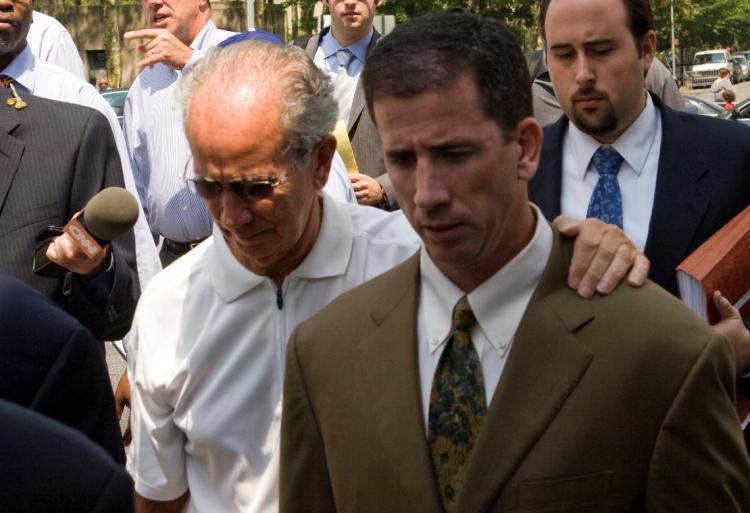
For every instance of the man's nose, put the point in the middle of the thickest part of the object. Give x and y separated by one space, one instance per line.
430 188
584 71
235 210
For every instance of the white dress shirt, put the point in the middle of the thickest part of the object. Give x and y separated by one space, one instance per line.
640 147
159 151
49 81
207 359
50 41
498 305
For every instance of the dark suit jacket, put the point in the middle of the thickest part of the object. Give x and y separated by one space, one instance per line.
47 467
54 157
52 364
368 150
603 406
703 181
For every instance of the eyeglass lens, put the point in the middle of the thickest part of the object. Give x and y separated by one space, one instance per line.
247 190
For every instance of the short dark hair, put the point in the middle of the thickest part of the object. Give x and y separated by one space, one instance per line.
432 52
640 17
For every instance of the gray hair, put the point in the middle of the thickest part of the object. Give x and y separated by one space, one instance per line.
309 110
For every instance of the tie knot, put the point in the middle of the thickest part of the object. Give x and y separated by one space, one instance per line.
344 56
463 317
607 161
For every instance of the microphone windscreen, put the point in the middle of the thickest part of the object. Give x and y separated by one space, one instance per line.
110 213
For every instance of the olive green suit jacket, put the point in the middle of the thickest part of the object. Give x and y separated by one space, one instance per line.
620 403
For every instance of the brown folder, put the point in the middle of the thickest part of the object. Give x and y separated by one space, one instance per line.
721 263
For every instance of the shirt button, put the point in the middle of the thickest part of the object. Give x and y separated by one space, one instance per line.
434 342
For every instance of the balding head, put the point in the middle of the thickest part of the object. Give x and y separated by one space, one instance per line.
258 117
262 79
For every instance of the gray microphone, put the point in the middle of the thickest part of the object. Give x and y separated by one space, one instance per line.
109 214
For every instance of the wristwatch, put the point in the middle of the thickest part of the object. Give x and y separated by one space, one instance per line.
383 203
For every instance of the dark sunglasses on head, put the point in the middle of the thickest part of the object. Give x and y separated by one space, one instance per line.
253 188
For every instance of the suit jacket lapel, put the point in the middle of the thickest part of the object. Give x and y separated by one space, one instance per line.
11 149
545 364
312 46
359 103
389 364
546 188
677 191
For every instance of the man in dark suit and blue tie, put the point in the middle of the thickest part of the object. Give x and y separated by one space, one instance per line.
680 178
673 178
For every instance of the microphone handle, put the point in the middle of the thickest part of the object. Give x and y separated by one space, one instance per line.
43 266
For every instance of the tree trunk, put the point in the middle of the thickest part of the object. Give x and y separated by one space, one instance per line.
112 42
295 20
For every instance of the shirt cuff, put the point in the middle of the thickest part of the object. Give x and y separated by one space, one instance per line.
98 287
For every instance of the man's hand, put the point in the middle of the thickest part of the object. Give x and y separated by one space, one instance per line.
602 257
122 401
65 253
732 327
161 46
367 190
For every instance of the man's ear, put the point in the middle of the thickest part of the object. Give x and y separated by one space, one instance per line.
323 156
648 50
529 139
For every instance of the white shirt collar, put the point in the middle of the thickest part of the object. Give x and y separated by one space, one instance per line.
638 137
200 39
21 69
497 303
328 257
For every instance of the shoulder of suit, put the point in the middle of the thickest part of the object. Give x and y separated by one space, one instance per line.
652 320
17 298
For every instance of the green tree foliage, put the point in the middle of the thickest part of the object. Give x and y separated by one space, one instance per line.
519 15
704 24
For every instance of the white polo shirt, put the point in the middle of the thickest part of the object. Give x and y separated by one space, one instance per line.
207 357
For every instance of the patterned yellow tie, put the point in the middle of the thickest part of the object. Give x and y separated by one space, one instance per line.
457 405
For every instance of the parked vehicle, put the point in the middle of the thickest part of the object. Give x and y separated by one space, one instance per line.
706 66
116 99
702 106
740 112
741 60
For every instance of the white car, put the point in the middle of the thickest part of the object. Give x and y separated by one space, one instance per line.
706 66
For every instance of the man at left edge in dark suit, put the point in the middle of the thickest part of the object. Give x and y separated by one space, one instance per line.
53 158
51 364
